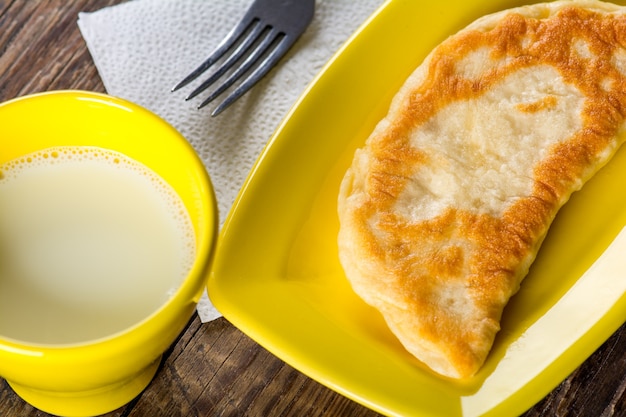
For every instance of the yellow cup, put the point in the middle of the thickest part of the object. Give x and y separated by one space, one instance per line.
99 376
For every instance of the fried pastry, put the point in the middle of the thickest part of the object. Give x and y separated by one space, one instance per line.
444 209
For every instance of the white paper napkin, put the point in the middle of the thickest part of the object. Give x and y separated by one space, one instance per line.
142 48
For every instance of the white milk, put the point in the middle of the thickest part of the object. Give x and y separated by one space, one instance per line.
91 243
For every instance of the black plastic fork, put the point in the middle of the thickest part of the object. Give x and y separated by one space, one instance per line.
260 39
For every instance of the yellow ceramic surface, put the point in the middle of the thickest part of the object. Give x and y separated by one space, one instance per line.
277 277
99 376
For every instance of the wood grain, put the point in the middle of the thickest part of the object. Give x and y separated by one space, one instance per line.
213 369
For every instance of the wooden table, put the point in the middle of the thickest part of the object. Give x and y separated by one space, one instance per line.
213 369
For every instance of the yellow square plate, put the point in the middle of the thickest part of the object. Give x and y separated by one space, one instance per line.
276 275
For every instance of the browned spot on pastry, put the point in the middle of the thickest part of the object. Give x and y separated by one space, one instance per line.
543 104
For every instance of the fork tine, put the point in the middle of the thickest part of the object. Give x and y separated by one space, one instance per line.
229 40
264 67
254 56
252 36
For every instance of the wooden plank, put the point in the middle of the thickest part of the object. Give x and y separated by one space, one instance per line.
217 370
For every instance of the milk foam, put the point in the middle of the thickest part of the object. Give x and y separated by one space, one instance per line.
91 242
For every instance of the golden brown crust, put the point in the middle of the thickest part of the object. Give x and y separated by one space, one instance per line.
443 281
